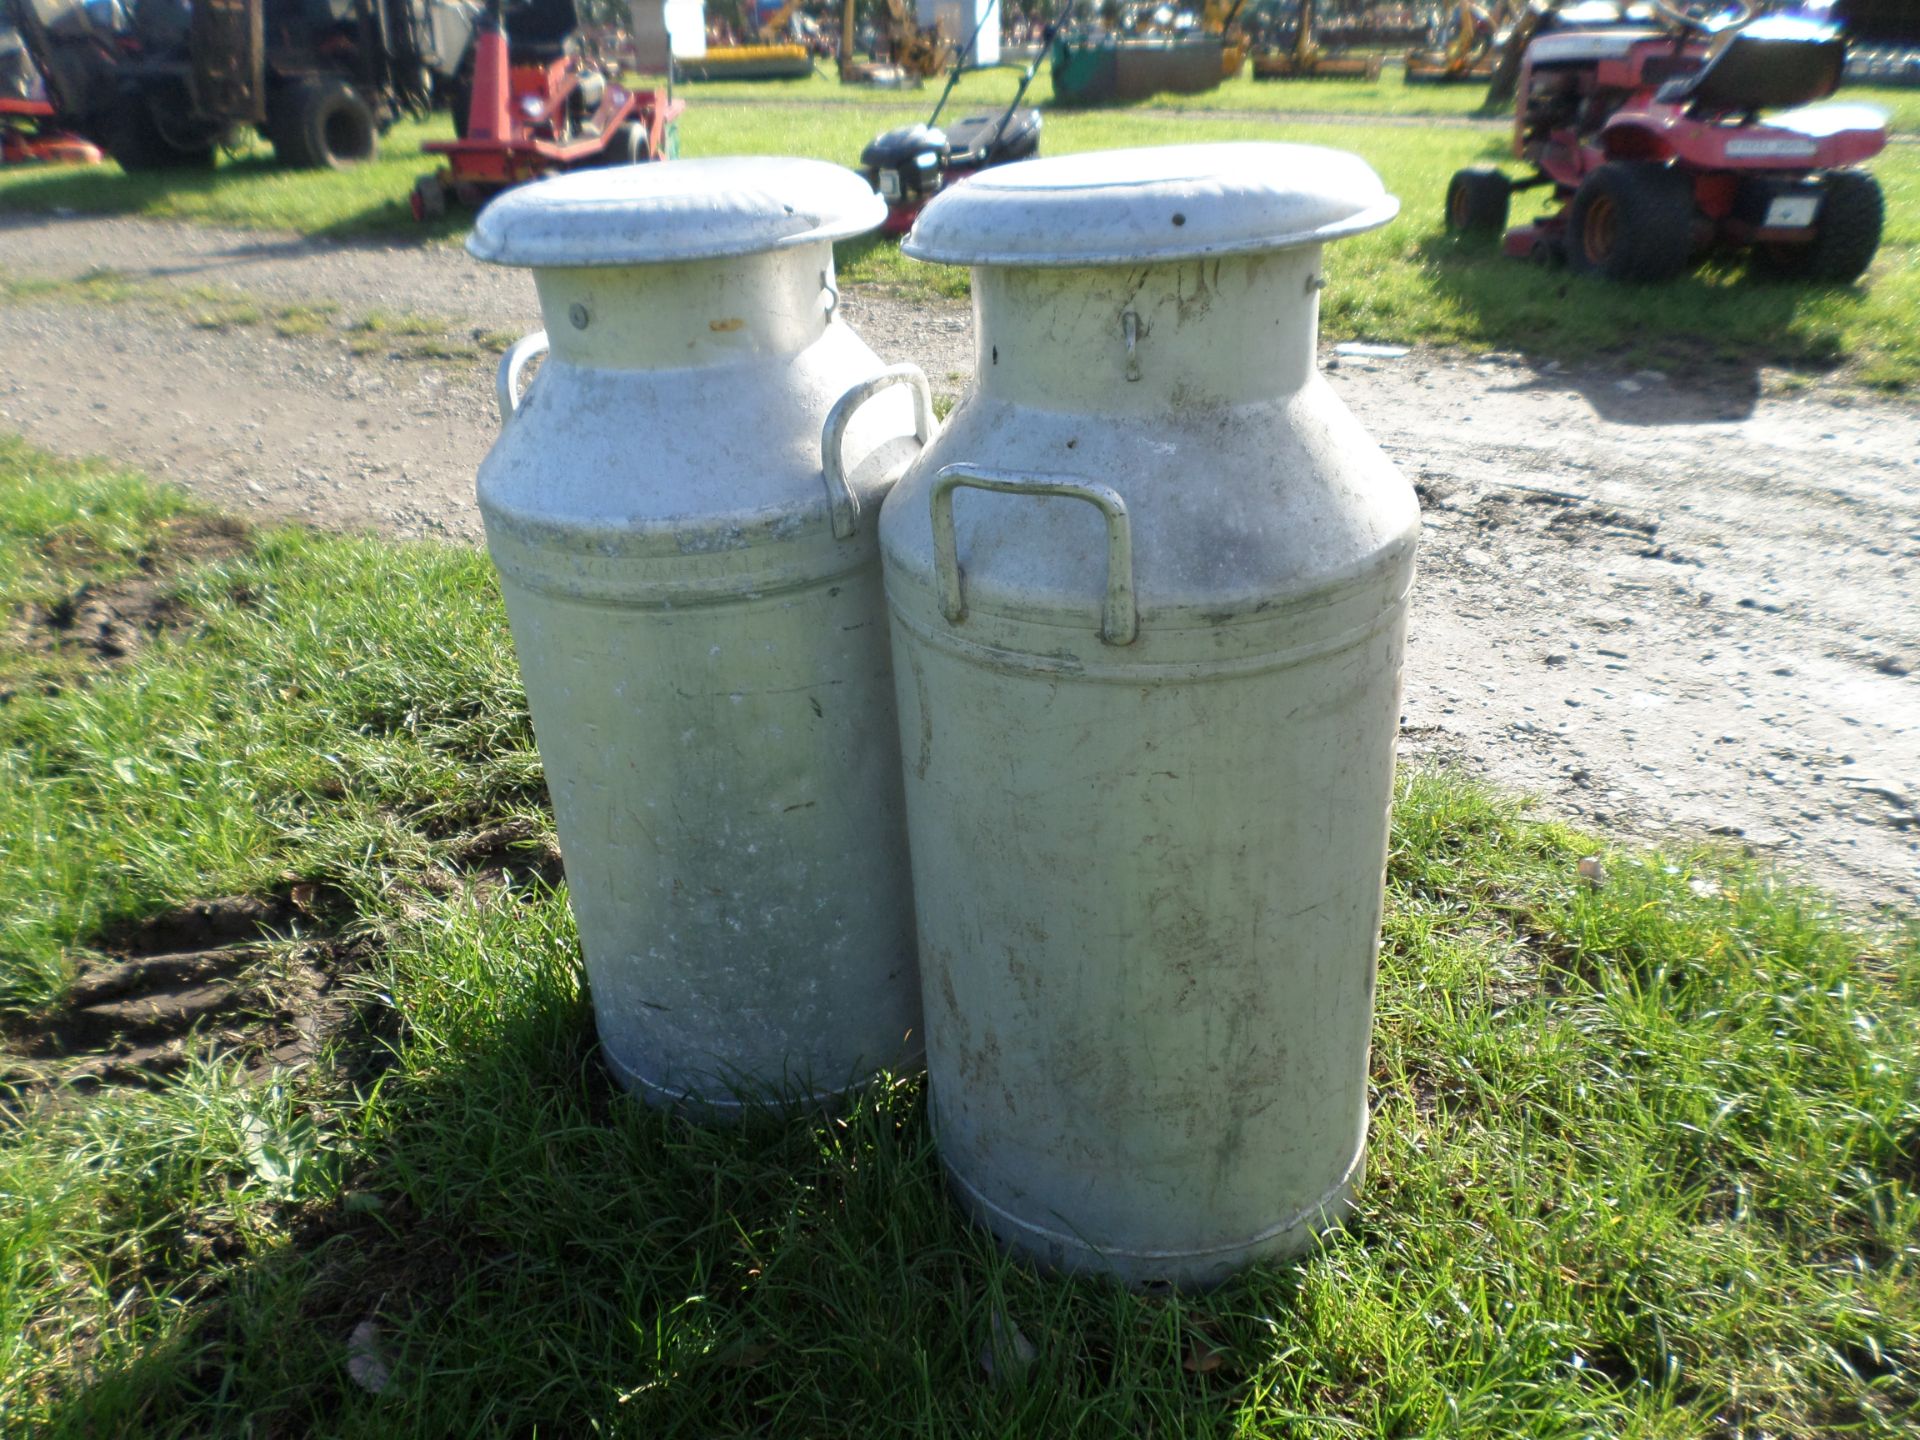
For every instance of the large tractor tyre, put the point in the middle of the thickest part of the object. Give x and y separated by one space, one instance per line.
1477 202
1631 220
322 124
1845 239
136 140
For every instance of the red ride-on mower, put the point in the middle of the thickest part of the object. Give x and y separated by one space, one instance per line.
535 107
28 136
1652 138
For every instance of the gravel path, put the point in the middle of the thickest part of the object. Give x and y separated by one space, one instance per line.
1666 607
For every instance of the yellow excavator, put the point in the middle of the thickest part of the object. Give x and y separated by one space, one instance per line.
1466 44
913 54
772 54
1216 18
1307 60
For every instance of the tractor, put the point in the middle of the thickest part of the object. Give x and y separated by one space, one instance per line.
162 84
1651 127
535 102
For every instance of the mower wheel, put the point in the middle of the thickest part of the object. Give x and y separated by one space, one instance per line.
626 146
322 124
1852 213
1631 220
1477 202
135 140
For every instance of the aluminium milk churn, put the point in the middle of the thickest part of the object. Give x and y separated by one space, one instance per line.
696 605
1148 590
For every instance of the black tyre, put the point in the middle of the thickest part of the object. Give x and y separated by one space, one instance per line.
136 139
1853 211
1477 202
626 146
322 124
1632 220
459 93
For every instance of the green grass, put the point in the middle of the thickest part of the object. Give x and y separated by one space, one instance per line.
1389 96
1643 1160
1409 283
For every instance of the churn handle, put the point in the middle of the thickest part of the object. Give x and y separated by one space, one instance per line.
842 503
1119 618
506 385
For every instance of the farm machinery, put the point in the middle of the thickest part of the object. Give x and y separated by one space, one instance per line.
28 132
1307 59
161 84
1657 135
912 164
534 104
1464 44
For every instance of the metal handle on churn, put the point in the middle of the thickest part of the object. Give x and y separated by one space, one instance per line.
1120 617
506 384
842 503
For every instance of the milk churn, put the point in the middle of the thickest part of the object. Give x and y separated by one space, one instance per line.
1148 591
696 604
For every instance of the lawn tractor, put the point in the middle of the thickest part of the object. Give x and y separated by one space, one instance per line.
28 132
28 135
911 165
535 105
1647 124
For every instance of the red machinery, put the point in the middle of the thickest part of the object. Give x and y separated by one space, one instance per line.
539 110
27 134
1653 142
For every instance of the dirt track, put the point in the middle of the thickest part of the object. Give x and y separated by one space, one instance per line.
1665 606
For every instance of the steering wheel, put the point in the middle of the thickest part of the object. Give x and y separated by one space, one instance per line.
1677 16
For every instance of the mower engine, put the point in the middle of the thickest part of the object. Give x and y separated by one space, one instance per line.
911 165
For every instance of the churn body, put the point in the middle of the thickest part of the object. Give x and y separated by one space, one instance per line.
1148 591
705 658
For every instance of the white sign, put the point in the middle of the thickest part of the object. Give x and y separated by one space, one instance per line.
1791 212
1779 149
956 19
687 28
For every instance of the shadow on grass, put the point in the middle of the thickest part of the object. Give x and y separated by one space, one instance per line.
1692 350
533 1251
222 194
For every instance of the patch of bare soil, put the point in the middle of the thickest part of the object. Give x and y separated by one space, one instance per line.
234 975
107 622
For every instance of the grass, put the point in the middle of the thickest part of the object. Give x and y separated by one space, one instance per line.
406 336
1388 96
1410 283
1644 1156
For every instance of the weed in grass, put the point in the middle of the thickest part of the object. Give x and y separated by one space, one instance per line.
1642 1158
292 321
408 323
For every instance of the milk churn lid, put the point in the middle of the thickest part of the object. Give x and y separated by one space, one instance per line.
1174 202
680 210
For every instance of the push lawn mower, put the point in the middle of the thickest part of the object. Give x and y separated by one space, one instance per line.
911 165
535 106
1651 137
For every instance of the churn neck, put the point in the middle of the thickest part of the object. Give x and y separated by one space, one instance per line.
1119 339
691 313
